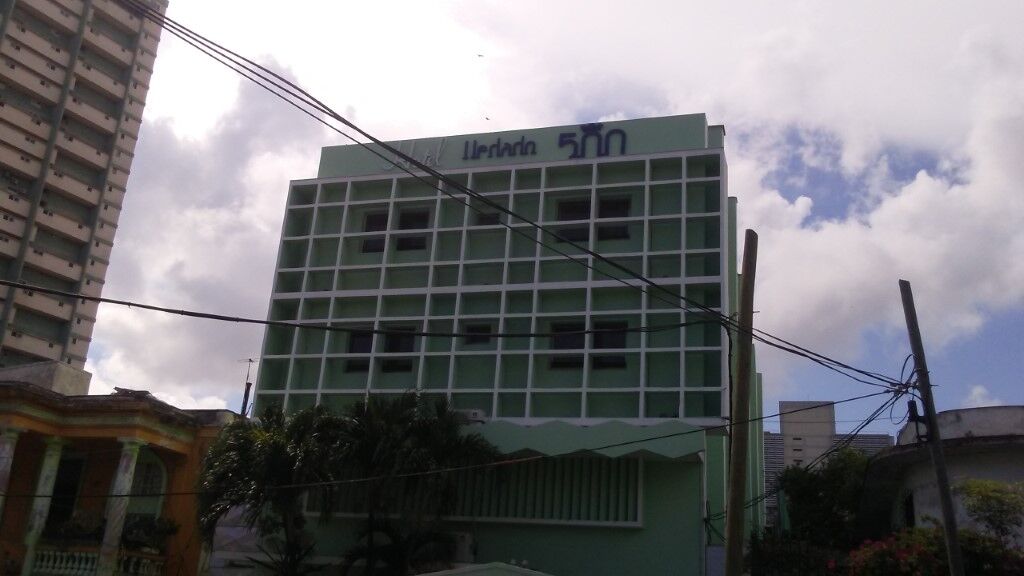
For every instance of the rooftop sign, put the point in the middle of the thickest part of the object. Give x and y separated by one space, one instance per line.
557 143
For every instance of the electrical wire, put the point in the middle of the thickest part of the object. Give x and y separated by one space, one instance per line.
292 89
844 442
350 329
454 469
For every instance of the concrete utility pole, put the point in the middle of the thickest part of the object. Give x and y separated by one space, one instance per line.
739 431
924 386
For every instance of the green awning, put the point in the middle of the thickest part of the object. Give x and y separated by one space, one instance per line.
614 439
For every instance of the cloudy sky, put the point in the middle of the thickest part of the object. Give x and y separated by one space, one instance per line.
867 142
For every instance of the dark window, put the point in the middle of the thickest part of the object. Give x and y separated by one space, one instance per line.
480 334
613 208
375 222
613 232
398 342
411 243
488 219
574 210
360 342
396 365
574 234
371 245
565 362
909 517
607 362
414 219
357 365
610 334
65 490
568 336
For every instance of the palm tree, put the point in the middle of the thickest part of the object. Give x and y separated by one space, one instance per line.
405 444
263 467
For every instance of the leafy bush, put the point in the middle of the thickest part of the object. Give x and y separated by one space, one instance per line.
998 506
922 551
774 554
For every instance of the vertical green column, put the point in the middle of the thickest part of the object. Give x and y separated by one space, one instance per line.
41 501
8 442
117 506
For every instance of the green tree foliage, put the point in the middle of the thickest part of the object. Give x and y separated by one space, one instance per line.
997 506
259 467
394 441
405 450
824 502
829 515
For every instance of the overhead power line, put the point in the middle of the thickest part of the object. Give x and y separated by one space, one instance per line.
497 464
283 88
358 329
844 442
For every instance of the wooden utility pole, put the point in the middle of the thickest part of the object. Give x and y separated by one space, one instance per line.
739 431
924 386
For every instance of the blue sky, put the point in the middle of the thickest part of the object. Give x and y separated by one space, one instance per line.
862 149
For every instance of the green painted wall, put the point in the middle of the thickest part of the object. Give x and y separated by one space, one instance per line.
716 457
671 541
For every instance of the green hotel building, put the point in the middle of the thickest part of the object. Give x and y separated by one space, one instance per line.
366 245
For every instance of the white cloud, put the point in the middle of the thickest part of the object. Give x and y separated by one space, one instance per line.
854 80
979 396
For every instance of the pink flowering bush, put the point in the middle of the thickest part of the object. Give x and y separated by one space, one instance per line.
922 552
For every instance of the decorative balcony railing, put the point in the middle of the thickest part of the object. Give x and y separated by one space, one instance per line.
83 561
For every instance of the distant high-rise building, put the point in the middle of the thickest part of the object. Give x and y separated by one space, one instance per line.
808 432
73 82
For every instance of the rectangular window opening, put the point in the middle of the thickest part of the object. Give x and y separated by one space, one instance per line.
613 208
568 336
412 219
373 245
565 362
610 334
395 341
574 210
411 243
375 222
360 342
480 334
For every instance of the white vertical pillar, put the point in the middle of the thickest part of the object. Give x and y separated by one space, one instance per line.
41 501
117 506
8 442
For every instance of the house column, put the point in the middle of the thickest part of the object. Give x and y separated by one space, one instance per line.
117 506
41 501
8 442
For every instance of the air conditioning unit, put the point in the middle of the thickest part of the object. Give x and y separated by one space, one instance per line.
473 415
465 552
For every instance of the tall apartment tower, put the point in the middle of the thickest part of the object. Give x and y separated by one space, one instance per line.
73 82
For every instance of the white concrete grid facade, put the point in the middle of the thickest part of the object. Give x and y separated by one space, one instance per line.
391 253
74 75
